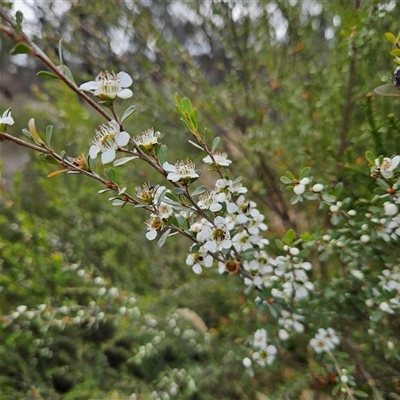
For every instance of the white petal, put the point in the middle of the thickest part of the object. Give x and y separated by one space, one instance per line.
208 261
125 94
151 235
93 151
114 124
173 177
168 167
125 79
210 246
123 138
197 269
215 207
7 120
89 86
108 156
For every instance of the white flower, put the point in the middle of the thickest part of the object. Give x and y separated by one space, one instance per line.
215 237
260 338
211 201
108 86
180 170
107 140
318 187
324 340
391 209
198 260
299 188
165 210
220 159
266 355
246 362
153 224
6 119
148 139
388 166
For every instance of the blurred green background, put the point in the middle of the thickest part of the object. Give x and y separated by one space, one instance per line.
283 83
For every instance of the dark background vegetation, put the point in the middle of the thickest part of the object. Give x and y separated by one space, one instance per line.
282 83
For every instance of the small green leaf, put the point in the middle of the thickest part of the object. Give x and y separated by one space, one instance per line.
49 134
290 175
21 48
360 393
177 99
370 157
178 190
285 180
27 134
91 163
47 75
60 52
390 37
103 191
111 174
395 53
195 144
279 244
304 172
48 159
328 198
290 236
162 154
67 72
215 144
128 112
123 160
187 104
193 118
163 238
199 190
118 203
295 199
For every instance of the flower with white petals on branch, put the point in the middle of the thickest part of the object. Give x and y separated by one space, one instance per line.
107 140
147 139
215 237
219 159
6 119
181 171
108 86
387 166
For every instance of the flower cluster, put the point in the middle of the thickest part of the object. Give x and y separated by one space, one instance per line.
325 340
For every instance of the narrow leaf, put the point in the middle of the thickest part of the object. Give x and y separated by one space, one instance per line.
111 175
390 37
290 235
179 190
21 48
47 75
123 161
285 180
195 144
48 159
60 52
199 190
215 143
67 72
162 154
304 172
187 104
128 112
49 134
163 238
370 157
